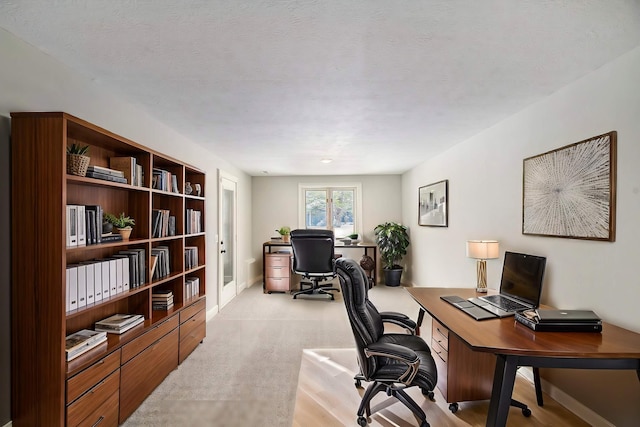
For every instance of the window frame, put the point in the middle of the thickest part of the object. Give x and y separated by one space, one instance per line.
330 187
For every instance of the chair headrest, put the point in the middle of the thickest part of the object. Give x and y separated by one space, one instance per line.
305 233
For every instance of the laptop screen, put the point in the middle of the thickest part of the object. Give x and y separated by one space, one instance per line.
522 277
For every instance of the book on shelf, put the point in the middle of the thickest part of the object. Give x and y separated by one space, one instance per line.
190 257
105 171
153 260
106 177
127 165
119 323
191 287
162 268
193 221
112 237
82 341
82 226
72 225
162 180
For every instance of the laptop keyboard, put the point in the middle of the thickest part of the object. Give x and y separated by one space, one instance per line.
505 303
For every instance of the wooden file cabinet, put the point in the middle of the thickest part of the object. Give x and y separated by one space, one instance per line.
277 272
462 374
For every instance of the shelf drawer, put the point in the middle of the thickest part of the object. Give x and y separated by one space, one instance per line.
191 310
276 272
86 405
277 284
192 332
106 415
83 381
440 334
277 260
142 374
136 346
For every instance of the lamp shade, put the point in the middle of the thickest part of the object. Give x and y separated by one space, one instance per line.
483 249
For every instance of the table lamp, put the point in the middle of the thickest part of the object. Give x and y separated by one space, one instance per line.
482 250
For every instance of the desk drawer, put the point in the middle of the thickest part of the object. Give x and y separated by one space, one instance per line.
276 260
439 350
191 310
440 334
277 272
106 415
192 332
277 284
156 332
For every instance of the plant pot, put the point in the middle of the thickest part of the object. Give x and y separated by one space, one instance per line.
125 232
107 228
77 164
286 238
392 276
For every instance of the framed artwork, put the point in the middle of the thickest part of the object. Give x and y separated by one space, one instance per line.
433 200
571 192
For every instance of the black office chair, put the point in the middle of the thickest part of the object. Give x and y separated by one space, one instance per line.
313 254
391 362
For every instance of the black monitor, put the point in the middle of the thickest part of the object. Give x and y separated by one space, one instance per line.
522 277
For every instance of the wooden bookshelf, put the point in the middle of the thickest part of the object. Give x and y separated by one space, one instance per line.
46 389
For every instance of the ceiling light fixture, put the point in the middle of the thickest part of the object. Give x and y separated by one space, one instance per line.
326 160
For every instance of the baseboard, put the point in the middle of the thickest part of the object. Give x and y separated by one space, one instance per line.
573 405
211 313
7 424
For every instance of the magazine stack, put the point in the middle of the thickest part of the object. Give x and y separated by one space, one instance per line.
560 320
83 341
119 323
162 299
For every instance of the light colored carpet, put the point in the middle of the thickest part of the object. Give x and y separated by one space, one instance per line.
246 371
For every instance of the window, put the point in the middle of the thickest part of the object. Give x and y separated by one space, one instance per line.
334 207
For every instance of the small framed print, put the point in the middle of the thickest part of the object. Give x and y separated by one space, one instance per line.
433 200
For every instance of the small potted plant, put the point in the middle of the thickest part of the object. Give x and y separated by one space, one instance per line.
392 240
123 224
284 232
77 161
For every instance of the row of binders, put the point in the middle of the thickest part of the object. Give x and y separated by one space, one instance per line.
560 320
94 281
191 288
190 257
193 221
84 226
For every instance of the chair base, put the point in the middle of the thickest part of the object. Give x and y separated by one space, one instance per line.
315 289
391 390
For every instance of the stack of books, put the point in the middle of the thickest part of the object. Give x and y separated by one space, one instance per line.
162 299
119 323
106 174
83 341
560 320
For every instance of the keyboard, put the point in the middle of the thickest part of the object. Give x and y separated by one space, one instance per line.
505 303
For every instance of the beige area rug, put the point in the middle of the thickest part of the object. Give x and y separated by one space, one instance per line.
326 396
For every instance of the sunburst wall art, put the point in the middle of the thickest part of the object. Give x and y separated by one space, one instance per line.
571 192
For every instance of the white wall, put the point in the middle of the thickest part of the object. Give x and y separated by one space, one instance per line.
32 81
485 195
275 204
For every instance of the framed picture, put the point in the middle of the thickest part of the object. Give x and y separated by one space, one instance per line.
571 192
433 200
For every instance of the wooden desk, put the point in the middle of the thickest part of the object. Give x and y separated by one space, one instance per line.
515 345
267 247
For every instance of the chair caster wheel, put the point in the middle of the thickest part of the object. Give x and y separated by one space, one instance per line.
358 384
430 395
526 412
453 407
362 421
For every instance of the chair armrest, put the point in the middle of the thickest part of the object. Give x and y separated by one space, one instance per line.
399 353
399 319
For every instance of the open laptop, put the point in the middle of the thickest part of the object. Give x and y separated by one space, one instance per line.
520 285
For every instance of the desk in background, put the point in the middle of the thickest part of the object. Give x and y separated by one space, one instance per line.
515 345
273 246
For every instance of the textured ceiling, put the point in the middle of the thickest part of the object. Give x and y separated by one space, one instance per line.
377 85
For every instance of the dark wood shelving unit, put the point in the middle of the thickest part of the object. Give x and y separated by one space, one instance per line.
46 389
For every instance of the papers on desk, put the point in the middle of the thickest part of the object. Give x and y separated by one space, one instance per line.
560 320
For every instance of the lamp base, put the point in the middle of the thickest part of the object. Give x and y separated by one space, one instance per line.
481 290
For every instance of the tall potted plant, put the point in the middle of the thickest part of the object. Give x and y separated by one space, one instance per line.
392 240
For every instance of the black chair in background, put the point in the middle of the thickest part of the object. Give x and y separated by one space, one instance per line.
391 362
313 254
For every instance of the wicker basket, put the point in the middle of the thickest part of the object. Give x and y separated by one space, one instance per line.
77 164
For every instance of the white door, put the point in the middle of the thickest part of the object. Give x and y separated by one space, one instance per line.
227 244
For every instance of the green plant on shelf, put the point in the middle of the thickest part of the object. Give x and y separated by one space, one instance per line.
121 221
77 149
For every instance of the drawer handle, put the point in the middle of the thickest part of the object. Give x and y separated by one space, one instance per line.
99 421
97 386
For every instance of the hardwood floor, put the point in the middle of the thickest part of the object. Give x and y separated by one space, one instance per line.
326 396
